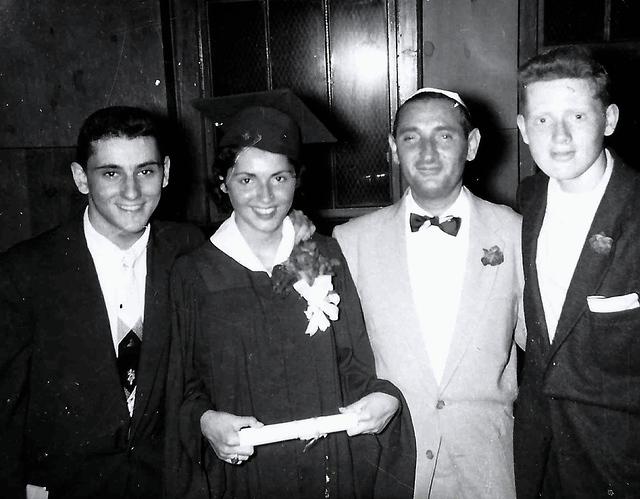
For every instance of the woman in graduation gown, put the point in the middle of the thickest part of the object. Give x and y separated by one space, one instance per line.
245 353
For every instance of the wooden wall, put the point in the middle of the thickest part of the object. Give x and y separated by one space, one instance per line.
613 35
59 62
350 62
471 46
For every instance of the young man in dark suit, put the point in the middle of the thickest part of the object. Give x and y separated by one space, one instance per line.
84 324
577 419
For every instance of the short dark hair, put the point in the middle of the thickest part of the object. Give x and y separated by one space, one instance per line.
465 116
117 121
566 62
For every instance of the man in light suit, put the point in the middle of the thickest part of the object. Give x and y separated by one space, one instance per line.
577 427
84 327
442 303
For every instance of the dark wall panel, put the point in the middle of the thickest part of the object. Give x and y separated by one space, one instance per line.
494 175
335 55
59 62
62 60
568 21
608 28
298 61
238 48
360 77
36 193
297 44
472 48
15 219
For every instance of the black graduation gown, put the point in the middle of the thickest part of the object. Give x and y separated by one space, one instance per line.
243 349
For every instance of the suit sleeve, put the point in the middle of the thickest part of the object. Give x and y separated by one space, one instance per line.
15 355
348 247
388 467
524 193
520 334
355 357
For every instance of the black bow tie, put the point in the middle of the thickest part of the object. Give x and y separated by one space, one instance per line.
451 225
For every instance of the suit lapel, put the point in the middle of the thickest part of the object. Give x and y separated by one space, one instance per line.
156 317
592 266
531 226
92 338
477 283
396 270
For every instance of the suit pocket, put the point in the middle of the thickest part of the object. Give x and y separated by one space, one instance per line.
615 341
601 304
623 319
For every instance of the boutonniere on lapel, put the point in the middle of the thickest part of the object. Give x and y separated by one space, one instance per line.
600 243
309 273
492 256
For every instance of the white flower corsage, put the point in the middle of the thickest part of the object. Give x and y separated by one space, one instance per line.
322 303
309 273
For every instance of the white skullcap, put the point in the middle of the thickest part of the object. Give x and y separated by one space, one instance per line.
452 95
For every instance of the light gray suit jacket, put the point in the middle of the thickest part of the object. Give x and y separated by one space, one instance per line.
470 412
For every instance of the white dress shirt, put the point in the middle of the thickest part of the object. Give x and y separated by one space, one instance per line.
566 224
113 268
436 263
230 241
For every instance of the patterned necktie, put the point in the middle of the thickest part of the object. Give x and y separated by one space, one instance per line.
129 332
450 225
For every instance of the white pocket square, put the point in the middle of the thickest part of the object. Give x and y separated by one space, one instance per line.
601 304
35 492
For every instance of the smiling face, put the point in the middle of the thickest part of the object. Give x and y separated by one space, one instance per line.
432 148
260 186
564 125
123 181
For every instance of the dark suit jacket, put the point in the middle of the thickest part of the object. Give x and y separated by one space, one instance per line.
579 401
64 422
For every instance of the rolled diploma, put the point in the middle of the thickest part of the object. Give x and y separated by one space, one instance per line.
304 429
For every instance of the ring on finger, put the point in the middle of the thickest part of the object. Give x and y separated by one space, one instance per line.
235 459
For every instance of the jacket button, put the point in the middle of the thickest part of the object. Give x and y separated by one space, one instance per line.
440 404
429 454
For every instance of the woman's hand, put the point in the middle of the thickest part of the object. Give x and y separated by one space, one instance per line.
221 430
374 412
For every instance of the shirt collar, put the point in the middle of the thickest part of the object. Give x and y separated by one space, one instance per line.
555 191
103 247
230 241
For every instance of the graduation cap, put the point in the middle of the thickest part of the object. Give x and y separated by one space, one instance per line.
276 121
